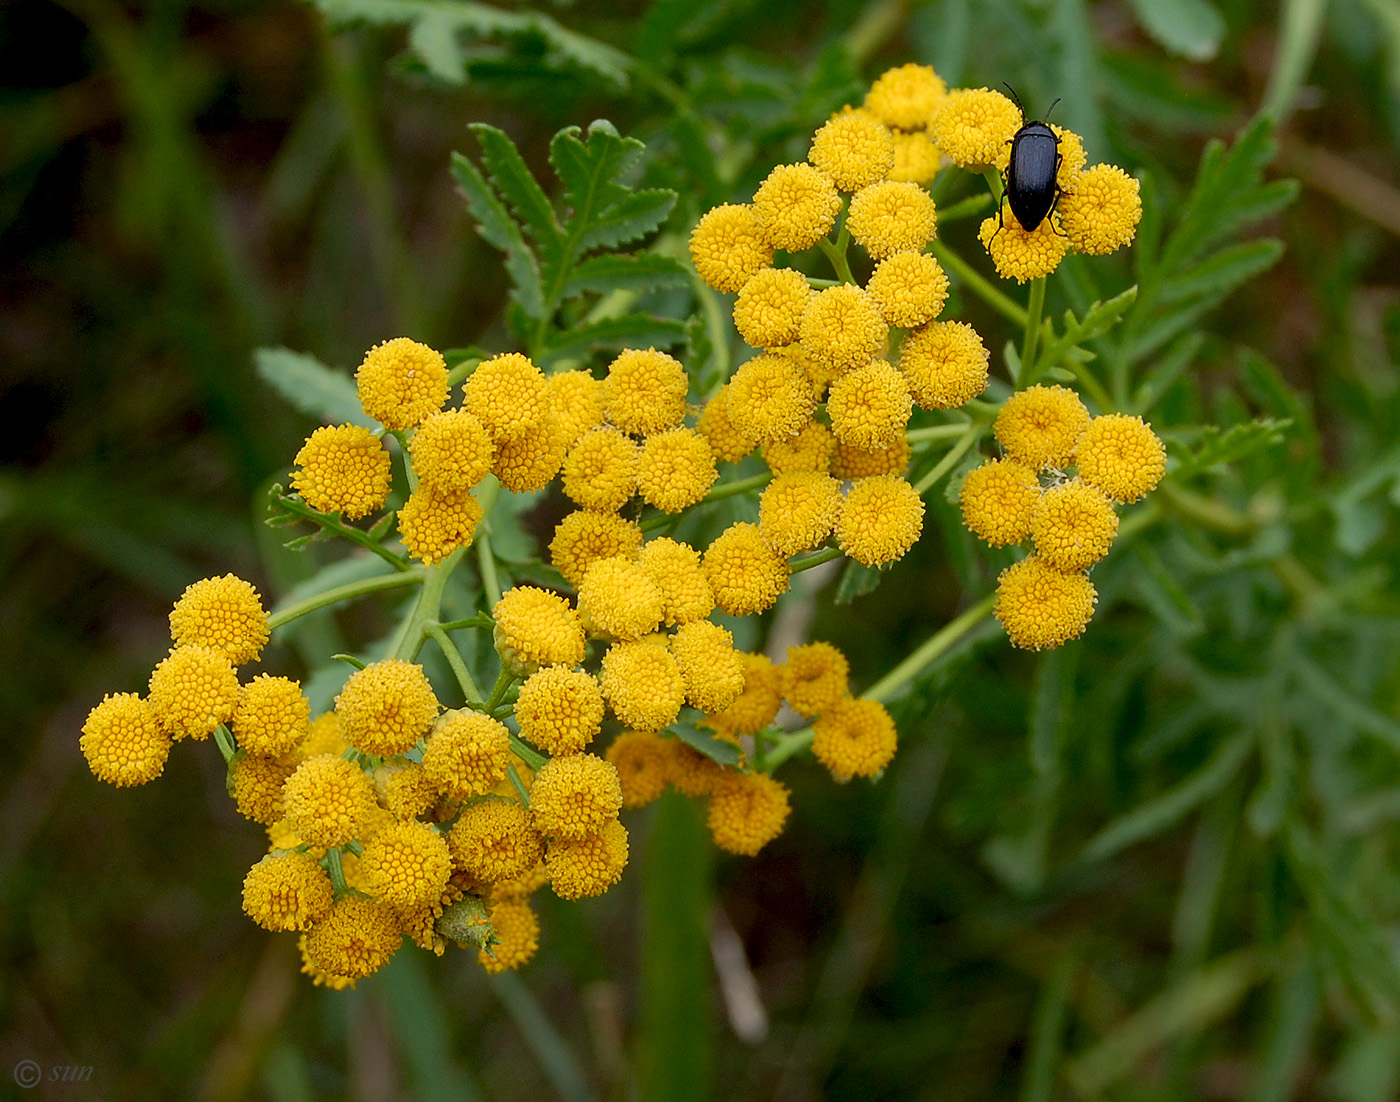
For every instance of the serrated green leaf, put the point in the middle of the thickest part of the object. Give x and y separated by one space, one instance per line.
515 183
726 753
1216 448
856 581
629 330
1219 274
499 229
628 219
310 386
616 272
433 37
589 168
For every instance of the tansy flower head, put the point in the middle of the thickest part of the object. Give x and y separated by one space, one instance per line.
193 691
745 574
819 372
508 395
452 451
1073 526
642 761
998 499
768 311
223 613
324 737
910 288
843 326
400 382
600 472
537 628
645 391
796 512
517 929
769 398
1019 255
576 400
329 800
575 796
272 716
287 891
123 741
972 126
405 788
1040 606
355 940
891 217
495 839
796 206
757 706
726 247
710 667
529 463
256 786
342 469
589 866
433 523
560 710
814 678
582 538
880 520
854 148
466 754
1100 209
1041 426
869 407
855 738
522 886
642 684
850 463
906 97
916 158
725 440
406 865
945 364
675 569
747 811
810 450
617 597
677 469
1121 455
386 707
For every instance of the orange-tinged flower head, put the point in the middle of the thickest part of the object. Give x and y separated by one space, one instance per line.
906 96
945 364
855 738
193 691
854 148
1121 455
727 249
642 761
880 520
810 450
529 463
272 717
851 463
916 159
1101 209
726 441
757 706
589 866
575 796
495 839
256 786
645 391
768 311
642 684
843 326
406 864
342 469
675 570
560 710
1073 526
329 800
386 707
870 406
746 812
507 394
287 891
434 523
1019 255
746 575
617 597
796 512
576 400
795 207
998 499
401 382
537 628
910 288
891 217
355 940
709 665
517 930
467 753
600 472
814 678
1041 426
676 470
1040 606
973 125
451 451
769 398
584 537
223 613
123 742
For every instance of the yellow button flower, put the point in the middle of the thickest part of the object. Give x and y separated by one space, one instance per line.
768 311
406 865
356 939
452 451
287 891
193 691
746 812
508 394
223 613
998 499
560 710
843 326
945 364
814 678
854 148
466 755
324 737
576 400
329 800
386 707
645 391
582 538
726 247
1073 526
909 287
587 867
256 786
617 597
342 469
870 406
517 930
891 217
675 570
1040 606
600 472
746 575
856 738
769 398
676 470
1019 255
973 125
810 450
434 523
401 382
692 773
1121 455
531 462
725 440
880 520
123 741
537 628
850 463
1101 209
642 684
916 158
495 839
709 665
906 96
642 761
1041 426
405 789
272 716
757 706
795 207
575 796
796 512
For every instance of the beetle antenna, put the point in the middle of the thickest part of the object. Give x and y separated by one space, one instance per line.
1016 98
1052 107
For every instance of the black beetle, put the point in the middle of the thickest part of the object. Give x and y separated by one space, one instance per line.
1031 188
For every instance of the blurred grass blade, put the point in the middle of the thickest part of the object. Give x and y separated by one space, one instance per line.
1048 1025
1292 1021
556 1059
419 1021
1300 29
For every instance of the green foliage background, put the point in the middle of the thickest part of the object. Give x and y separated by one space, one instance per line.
1160 863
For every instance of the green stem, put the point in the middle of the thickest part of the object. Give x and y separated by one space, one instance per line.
1204 511
517 784
528 754
331 523
336 872
486 559
971 434
346 592
479 621
224 738
816 558
504 680
1034 310
787 744
454 659
964 208
935 432
409 638
719 493
837 255
933 647
977 283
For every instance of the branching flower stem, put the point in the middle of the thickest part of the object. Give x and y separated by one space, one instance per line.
347 592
